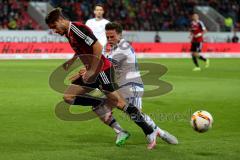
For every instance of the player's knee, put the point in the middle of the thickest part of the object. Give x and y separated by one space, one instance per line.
68 99
118 102
104 114
121 103
107 117
195 54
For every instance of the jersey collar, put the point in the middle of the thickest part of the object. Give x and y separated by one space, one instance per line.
117 45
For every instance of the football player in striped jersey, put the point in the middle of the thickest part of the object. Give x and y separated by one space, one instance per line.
99 71
197 31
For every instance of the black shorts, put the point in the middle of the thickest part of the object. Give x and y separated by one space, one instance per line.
196 47
105 81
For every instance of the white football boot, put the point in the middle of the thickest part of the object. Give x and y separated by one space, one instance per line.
165 136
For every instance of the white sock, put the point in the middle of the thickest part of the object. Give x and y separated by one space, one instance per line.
116 126
149 121
153 125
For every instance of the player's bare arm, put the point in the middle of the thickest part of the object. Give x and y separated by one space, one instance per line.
68 63
81 72
96 64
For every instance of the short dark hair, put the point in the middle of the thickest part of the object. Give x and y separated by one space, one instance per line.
114 26
53 16
99 5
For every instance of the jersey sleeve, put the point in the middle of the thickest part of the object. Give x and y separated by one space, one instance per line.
124 53
87 23
203 27
107 21
84 34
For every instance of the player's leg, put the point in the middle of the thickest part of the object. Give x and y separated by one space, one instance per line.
201 57
136 93
133 94
105 115
206 60
136 115
195 61
75 94
194 50
79 88
197 49
207 63
114 98
137 101
140 119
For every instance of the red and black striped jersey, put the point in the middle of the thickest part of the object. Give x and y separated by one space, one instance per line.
196 28
82 39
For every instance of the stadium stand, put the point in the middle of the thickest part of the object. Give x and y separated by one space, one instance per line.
147 15
14 16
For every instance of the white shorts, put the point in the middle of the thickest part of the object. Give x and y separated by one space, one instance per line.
132 93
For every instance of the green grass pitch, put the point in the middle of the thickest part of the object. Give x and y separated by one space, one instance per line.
30 129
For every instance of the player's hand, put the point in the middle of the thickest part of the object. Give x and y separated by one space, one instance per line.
74 77
67 65
89 76
79 74
198 35
82 71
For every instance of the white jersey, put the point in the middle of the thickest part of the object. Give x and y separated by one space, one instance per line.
125 64
98 28
127 75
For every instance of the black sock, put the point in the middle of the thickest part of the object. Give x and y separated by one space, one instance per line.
194 58
87 100
112 121
202 58
138 118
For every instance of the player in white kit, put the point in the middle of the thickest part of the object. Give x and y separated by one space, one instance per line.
97 24
130 84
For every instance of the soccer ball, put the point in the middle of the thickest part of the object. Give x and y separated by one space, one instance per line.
201 121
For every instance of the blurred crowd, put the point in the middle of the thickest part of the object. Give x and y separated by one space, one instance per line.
158 15
135 14
14 16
